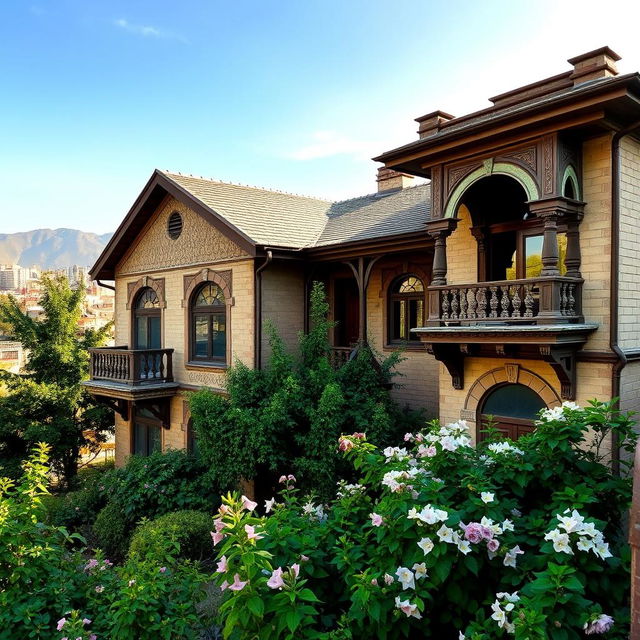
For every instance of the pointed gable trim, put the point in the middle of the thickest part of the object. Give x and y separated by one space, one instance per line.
156 189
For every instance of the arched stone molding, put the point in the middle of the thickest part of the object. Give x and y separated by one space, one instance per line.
221 278
489 168
510 373
570 174
134 288
389 275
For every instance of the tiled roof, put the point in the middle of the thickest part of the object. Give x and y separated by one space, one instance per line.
279 219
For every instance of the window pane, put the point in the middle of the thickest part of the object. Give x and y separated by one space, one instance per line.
140 439
201 346
402 320
155 341
514 401
142 338
395 309
533 256
148 299
410 285
219 335
415 316
155 440
210 295
562 252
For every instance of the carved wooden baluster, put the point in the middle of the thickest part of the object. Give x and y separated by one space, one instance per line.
571 300
473 303
445 304
464 304
160 368
504 302
493 303
144 369
455 305
528 301
516 301
563 298
481 297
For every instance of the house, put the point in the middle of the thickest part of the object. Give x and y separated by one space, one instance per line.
510 278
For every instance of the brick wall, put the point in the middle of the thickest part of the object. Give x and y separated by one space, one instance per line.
282 304
418 386
629 272
462 251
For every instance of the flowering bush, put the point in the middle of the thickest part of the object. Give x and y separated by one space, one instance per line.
439 539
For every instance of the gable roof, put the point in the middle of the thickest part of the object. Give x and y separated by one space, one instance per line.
254 217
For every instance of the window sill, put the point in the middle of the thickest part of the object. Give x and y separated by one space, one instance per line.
405 346
204 366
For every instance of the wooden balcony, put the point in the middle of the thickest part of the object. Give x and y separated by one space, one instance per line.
339 356
130 374
530 301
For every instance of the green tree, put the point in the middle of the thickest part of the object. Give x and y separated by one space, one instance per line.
47 402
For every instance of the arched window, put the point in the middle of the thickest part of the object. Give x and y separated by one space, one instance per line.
512 408
406 308
208 324
147 333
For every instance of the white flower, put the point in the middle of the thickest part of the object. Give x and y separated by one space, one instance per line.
561 544
406 578
584 544
507 525
602 550
461 636
420 570
487 496
428 515
268 504
511 556
445 534
426 545
464 546
411 610
571 523
498 614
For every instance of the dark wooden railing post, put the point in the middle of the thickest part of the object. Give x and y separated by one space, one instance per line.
440 229
573 258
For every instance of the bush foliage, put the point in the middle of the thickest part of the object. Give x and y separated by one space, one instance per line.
290 414
439 539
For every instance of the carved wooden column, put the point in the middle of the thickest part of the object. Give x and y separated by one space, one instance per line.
440 229
550 252
573 258
479 233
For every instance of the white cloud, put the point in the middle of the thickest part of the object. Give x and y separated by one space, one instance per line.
147 31
325 144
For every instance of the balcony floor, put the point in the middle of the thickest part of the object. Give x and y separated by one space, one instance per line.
123 391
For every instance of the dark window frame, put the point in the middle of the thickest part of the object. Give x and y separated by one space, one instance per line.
147 424
211 313
148 313
394 297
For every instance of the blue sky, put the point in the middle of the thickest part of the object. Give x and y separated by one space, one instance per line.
295 96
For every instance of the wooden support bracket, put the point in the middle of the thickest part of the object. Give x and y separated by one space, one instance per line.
563 362
453 360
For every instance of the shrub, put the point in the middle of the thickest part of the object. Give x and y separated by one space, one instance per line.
147 487
290 414
112 531
439 539
191 530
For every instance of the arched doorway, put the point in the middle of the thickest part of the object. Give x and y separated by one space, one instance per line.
511 409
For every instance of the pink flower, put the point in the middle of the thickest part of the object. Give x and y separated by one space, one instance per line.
296 569
93 636
217 537
276 581
408 437
304 558
224 585
291 478
487 534
600 625
86 621
376 519
344 444
223 510
162 569
237 584
427 452
61 623
282 479
493 545
92 564
374 582
219 525
359 436
222 565
472 532
251 533
388 579
247 504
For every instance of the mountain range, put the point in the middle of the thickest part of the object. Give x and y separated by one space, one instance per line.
51 248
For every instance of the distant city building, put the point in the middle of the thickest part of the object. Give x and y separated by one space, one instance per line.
11 356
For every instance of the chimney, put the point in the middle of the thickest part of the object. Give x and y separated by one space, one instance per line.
390 180
431 123
594 65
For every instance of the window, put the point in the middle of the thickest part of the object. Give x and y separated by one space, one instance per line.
511 409
146 318
208 325
406 308
192 440
174 225
147 436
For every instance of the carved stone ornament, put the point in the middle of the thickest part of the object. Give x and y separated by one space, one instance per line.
157 284
512 371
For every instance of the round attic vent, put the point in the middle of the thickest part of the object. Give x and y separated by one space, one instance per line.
174 225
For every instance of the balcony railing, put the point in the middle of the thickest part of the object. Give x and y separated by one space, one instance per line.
132 366
543 300
339 356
